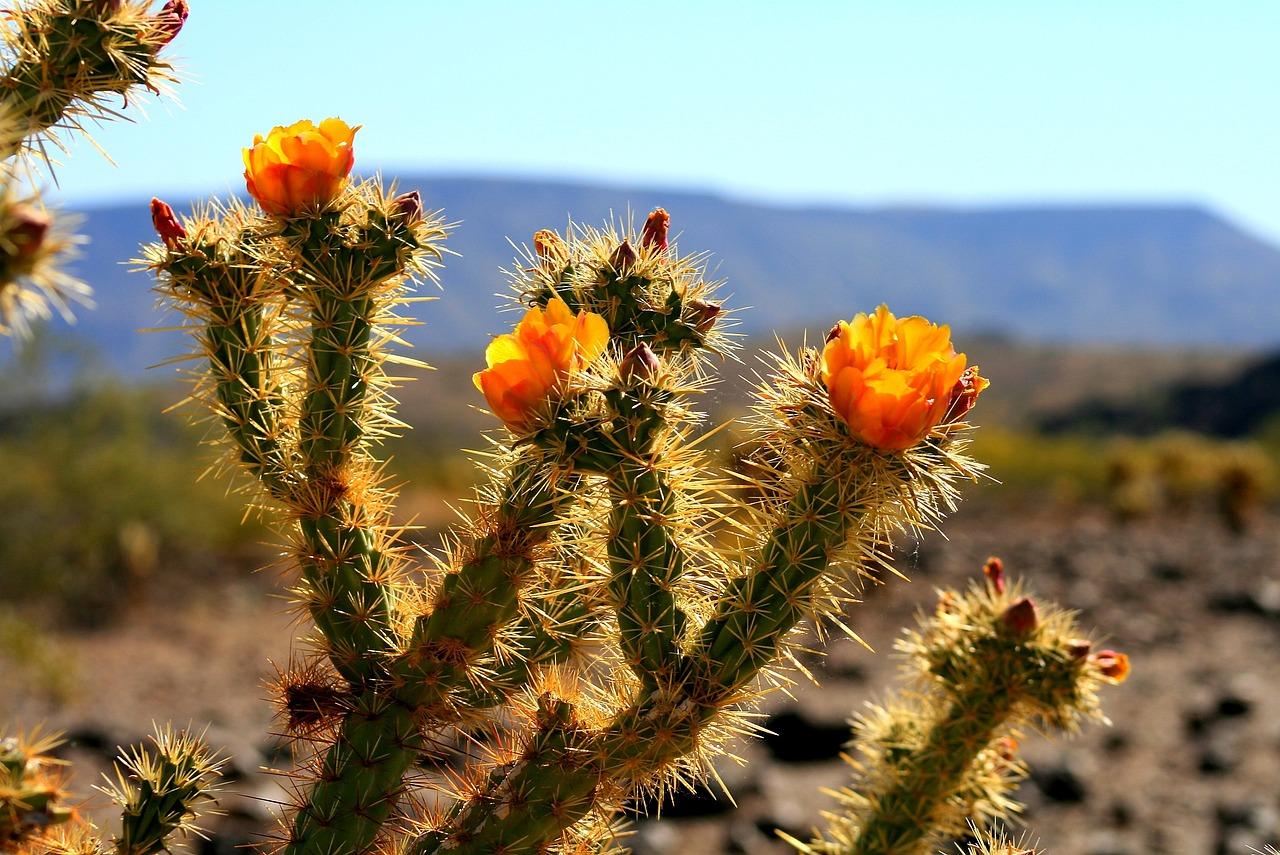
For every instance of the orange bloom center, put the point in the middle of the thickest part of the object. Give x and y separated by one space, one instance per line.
529 364
300 167
891 379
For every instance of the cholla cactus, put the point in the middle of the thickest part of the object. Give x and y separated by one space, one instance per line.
65 62
600 528
159 789
986 665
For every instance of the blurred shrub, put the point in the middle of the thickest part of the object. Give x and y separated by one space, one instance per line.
99 501
1064 470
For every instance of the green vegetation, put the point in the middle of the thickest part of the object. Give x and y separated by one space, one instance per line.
101 495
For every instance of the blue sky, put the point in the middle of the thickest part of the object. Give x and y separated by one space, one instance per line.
860 102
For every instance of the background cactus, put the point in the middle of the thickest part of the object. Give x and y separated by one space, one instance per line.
159 789
987 665
65 62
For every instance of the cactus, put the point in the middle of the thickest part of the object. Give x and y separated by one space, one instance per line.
65 62
159 790
600 521
986 665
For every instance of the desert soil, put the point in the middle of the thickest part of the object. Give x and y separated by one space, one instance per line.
1190 765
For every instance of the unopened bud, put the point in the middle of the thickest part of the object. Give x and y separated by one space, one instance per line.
408 206
994 571
166 224
1112 664
1007 748
964 395
703 314
654 235
549 246
1021 617
170 19
623 257
640 364
28 228
1079 647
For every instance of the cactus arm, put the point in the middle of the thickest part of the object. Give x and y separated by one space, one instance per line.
941 759
663 723
902 820
160 789
646 563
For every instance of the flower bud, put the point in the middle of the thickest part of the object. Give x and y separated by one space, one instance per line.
640 364
166 224
408 206
965 394
550 247
623 257
1021 617
703 314
1079 647
27 229
107 7
1112 664
654 235
170 20
994 571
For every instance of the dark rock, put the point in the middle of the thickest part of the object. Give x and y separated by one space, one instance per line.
1218 757
1060 784
1168 571
770 830
1231 705
90 738
793 737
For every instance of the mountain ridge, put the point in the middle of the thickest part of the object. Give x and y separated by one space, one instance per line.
1138 274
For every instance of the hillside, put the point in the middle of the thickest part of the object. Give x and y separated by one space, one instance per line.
1147 276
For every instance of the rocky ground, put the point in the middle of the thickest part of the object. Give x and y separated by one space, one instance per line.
1191 764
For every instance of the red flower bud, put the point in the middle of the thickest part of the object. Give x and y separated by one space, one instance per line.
1112 664
654 235
964 395
549 246
170 20
623 257
640 364
994 571
27 230
166 224
1079 647
703 314
1021 617
408 206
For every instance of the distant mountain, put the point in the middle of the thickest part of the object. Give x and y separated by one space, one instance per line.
1135 275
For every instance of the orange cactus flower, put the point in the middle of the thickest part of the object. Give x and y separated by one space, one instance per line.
300 166
527 365
891 379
